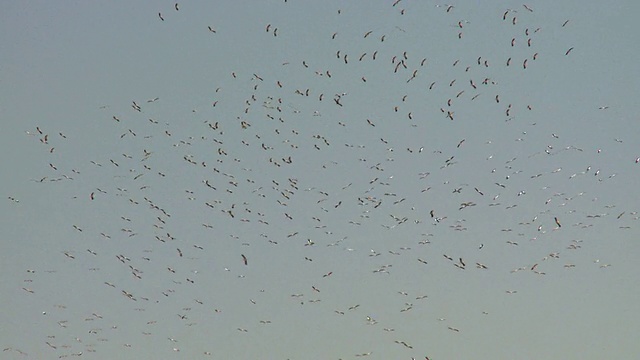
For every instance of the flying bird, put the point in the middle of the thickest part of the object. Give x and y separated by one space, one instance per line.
557 221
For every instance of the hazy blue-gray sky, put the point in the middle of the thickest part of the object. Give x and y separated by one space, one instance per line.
319 180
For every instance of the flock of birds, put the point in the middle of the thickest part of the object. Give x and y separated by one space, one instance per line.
322 186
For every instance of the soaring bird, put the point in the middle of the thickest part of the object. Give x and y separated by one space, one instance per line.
244 259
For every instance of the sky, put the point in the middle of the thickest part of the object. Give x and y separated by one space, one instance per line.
319 180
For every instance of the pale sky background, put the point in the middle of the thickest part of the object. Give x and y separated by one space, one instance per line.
146 157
